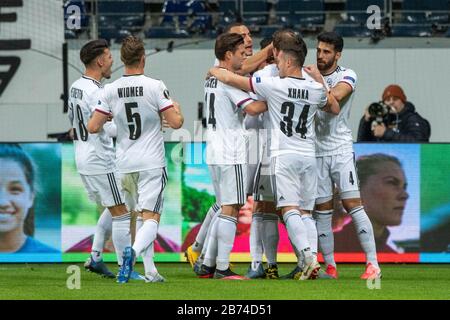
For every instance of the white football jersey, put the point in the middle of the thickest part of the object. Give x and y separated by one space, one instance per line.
226 136
136 101
333 132
94 153
292 104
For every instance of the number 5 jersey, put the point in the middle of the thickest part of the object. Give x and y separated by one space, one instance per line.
135 102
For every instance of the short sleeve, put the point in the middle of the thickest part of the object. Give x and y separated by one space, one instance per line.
262 86
99 102
349 77
162 97
238 97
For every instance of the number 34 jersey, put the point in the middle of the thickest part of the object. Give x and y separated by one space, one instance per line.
292 104
136 101
94 153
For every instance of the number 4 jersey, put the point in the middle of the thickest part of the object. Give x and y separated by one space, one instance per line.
94 153
292 104
136 101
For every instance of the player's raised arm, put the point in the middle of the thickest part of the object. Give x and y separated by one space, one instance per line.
251 63
255 108
332 105
231 78
98 119
173 116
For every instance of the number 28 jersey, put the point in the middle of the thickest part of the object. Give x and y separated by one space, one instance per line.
94 153
292 104
136 101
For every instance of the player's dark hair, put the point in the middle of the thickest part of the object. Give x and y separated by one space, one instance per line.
132 50
92 50
232 25
14 152
369 165
227 42
332 38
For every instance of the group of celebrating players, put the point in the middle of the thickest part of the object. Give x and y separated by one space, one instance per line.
276 129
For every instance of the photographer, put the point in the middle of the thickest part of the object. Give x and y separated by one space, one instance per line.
393 120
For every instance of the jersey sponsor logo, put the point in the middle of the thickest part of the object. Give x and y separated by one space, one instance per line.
350 78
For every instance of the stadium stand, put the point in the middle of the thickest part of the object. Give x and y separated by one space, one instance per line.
116 19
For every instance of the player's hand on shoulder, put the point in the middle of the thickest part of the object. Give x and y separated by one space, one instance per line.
314 72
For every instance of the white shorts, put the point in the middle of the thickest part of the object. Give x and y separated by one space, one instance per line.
294 180
339 170
229 183
144 190
252 170
104 189
262 186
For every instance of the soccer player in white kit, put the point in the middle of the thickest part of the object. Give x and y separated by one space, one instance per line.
136 103
292 104
226 156
196 252
95 156
336 159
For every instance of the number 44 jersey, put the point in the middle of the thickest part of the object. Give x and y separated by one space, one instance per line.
292 104
135 102
94 153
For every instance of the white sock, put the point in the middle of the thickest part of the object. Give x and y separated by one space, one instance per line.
325 232
256 244
147 258
311 228
270 237
364 230
209 252
145 236
213 211
104 227
121 235
226 231
297 232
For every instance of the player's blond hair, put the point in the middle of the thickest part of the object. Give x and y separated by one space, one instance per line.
132 51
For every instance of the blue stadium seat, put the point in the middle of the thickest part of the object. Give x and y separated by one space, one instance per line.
228 7
125 14
352 30
166 32
112 33
428 11
409 30
190 15
269 30
255 12
304 13
447 34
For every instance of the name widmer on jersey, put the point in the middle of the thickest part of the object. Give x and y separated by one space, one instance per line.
298 93
130 92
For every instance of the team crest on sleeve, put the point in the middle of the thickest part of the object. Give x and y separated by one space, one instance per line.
166 94
258 79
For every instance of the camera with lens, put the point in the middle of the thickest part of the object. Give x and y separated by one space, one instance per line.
380 113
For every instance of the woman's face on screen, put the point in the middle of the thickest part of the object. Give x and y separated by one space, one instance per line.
16 196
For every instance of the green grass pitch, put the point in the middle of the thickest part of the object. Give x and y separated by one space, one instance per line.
48 281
